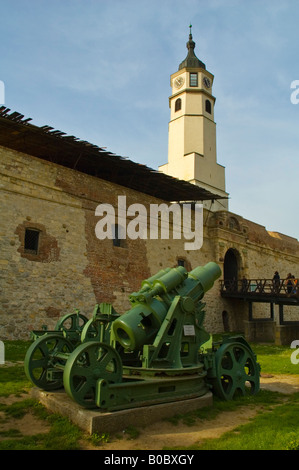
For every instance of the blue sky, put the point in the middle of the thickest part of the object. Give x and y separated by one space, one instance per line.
100 69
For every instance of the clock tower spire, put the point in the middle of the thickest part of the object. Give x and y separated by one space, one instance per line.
191 59
192 129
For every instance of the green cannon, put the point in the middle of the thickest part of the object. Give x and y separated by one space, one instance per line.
156 352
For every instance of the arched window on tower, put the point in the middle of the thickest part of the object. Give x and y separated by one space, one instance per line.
178 105
208 107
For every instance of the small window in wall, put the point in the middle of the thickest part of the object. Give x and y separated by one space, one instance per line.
193 79
181 262
178 104
31 241
118 240
208 107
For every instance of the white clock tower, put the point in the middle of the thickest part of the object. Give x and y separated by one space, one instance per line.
192 129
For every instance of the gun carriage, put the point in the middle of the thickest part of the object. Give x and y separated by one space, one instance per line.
156 352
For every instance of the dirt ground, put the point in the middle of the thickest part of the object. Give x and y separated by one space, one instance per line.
163 433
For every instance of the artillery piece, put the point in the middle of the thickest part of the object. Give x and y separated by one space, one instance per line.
156 352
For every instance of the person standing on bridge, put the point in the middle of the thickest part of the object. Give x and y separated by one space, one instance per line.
289 283
276 281
294 284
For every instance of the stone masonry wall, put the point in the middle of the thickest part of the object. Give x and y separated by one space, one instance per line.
35 289
260 253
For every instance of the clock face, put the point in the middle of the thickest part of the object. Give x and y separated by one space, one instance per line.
179 81
206 82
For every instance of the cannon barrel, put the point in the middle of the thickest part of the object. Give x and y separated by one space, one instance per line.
139 325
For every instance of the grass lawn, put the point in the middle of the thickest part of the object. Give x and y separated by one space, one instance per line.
275 427
275 359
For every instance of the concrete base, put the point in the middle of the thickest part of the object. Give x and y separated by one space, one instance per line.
93 421
260 331
285 334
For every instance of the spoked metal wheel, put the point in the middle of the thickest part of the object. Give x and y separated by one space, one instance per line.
88 363
71 322
47 352
72 325
237 372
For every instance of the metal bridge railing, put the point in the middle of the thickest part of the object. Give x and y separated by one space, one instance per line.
280 288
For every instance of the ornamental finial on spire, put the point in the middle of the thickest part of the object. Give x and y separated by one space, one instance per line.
191 59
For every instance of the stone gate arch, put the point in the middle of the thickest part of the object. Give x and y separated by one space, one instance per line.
232 265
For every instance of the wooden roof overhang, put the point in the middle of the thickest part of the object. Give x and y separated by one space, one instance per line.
46 143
